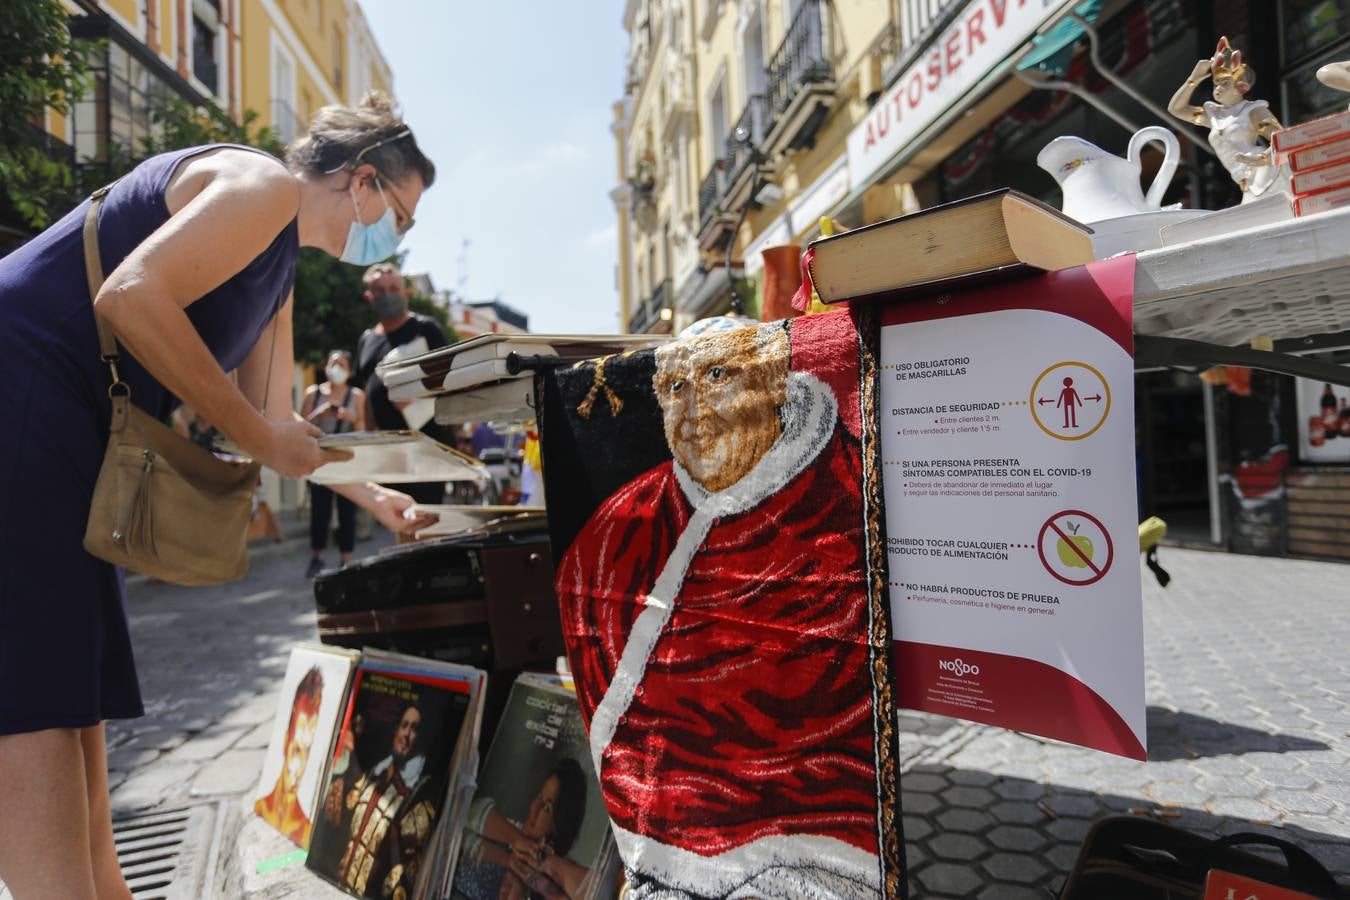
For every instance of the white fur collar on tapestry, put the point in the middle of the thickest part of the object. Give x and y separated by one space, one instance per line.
791 867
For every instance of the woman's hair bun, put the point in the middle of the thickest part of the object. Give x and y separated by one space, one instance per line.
338 134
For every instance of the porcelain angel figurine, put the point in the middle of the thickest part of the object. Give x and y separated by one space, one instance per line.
1336 76
1239 129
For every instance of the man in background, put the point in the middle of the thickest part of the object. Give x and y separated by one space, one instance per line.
402 334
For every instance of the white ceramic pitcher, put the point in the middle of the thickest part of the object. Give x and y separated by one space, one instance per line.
1097 185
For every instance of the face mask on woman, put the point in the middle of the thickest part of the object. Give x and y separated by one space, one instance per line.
369 244
337 375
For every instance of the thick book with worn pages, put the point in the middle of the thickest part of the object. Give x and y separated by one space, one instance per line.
995 235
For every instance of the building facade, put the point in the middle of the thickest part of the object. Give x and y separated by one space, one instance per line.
744 122
282 59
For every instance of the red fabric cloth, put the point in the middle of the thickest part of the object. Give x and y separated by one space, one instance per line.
753 716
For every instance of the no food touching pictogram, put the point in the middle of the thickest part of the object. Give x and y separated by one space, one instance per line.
1075 547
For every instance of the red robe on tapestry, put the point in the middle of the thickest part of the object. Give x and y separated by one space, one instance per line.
719 643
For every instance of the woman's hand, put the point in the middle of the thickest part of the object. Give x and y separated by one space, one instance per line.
1201 70
291 449
395 511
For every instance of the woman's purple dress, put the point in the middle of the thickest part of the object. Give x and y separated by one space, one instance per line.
65 653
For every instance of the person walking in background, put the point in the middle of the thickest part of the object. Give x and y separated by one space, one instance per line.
402 334
337 408
200 246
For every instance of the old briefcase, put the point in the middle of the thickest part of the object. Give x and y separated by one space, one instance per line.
484 598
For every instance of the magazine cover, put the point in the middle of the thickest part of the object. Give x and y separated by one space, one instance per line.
308 710
538 822
387 781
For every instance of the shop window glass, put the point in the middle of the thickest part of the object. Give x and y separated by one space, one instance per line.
204 54
1307 98
1310 26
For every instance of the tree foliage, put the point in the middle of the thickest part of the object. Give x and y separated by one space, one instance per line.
40 67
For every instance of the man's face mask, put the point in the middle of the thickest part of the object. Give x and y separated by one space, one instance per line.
388 305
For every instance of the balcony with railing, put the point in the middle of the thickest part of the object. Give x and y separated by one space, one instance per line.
743 151
710 192
801 81
716 215
920 23
648 318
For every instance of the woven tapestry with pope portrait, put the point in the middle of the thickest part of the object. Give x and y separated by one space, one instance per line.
715 506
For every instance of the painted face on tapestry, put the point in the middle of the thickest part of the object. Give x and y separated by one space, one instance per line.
712 393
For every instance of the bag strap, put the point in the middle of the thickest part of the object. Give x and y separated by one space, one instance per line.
1302 865
107 342
93 270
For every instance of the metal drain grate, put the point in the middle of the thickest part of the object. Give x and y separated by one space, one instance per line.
170 854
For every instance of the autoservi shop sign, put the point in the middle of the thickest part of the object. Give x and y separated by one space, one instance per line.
980 38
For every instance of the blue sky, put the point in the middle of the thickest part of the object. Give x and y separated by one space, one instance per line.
511 100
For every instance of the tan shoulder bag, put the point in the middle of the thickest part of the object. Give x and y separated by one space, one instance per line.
163 506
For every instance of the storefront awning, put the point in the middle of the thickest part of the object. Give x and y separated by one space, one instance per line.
1053 48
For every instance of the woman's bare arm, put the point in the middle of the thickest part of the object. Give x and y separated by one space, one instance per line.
238 208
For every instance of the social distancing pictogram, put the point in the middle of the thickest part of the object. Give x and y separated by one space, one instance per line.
1075 547
1070 400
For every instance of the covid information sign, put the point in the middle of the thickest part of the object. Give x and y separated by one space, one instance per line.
1011 511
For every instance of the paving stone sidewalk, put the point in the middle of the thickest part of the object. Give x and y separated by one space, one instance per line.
1248 691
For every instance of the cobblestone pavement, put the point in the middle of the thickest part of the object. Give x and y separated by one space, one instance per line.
1248 688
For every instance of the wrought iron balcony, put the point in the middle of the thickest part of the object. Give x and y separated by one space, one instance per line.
801 82
710 192
801 60
917 16
647 317
746 136
921 21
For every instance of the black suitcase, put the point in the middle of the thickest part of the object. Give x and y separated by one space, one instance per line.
1132 858
484 598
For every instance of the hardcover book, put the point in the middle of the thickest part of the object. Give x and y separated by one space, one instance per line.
997 235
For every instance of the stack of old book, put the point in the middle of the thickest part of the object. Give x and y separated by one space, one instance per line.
1318 156
490 378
